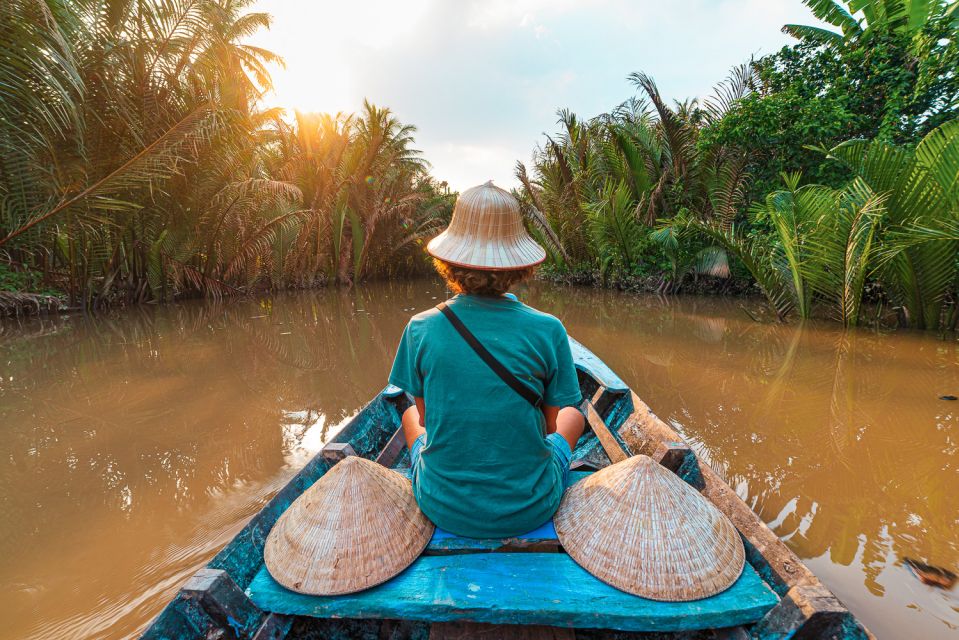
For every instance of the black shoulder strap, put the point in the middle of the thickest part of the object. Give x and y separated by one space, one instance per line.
512 381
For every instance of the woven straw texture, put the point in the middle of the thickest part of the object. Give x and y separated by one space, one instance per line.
638 527
356 527
487 232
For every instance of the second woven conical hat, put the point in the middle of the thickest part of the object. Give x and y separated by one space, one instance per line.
638 527
356 527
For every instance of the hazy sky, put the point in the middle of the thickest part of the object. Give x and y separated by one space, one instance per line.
482 79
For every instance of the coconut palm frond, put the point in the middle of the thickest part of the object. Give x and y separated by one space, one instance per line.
742 81
841 250
813 34
920 190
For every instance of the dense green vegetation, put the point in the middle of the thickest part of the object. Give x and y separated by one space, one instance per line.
826 172
136 162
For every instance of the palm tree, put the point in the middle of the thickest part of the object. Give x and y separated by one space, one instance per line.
897 221
922 205
602 184
137 95
136 162
367 197
822 247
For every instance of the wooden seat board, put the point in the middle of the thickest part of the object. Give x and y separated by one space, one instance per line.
519 588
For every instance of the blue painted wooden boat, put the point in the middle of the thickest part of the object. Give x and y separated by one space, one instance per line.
522 587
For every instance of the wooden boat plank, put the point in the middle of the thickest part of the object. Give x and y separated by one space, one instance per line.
275 627
392 391
503 545
391 452
614 449
520 588
586 360
215 592
612 407
542 538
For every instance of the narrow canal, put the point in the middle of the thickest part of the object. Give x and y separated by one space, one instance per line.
136 443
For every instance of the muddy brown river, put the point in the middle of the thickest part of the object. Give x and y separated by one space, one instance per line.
136 443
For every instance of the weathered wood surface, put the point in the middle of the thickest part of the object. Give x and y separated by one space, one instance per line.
542 538
808 612
333 452
644 432
392 391
613 408
391 452
218 596
614 450
672 455
275 627
520 588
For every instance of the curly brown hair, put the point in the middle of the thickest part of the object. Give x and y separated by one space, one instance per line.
481 282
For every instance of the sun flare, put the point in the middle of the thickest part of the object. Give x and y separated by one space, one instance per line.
319 42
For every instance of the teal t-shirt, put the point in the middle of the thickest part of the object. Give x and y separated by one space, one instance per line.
486 470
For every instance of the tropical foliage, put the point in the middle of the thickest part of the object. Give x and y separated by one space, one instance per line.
822 246
827 173
366 196
137 164
602 183
887 71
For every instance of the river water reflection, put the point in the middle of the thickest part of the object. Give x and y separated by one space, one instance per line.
136 443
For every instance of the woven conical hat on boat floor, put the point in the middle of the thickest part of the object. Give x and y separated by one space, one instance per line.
356 527
637 526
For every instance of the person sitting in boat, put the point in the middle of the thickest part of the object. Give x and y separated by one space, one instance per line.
491 434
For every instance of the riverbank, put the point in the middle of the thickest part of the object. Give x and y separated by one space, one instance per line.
33 300
734 287
13 304
877 310
877 313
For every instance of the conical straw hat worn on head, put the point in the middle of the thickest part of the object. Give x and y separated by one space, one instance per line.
637 526
356 527
487 232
